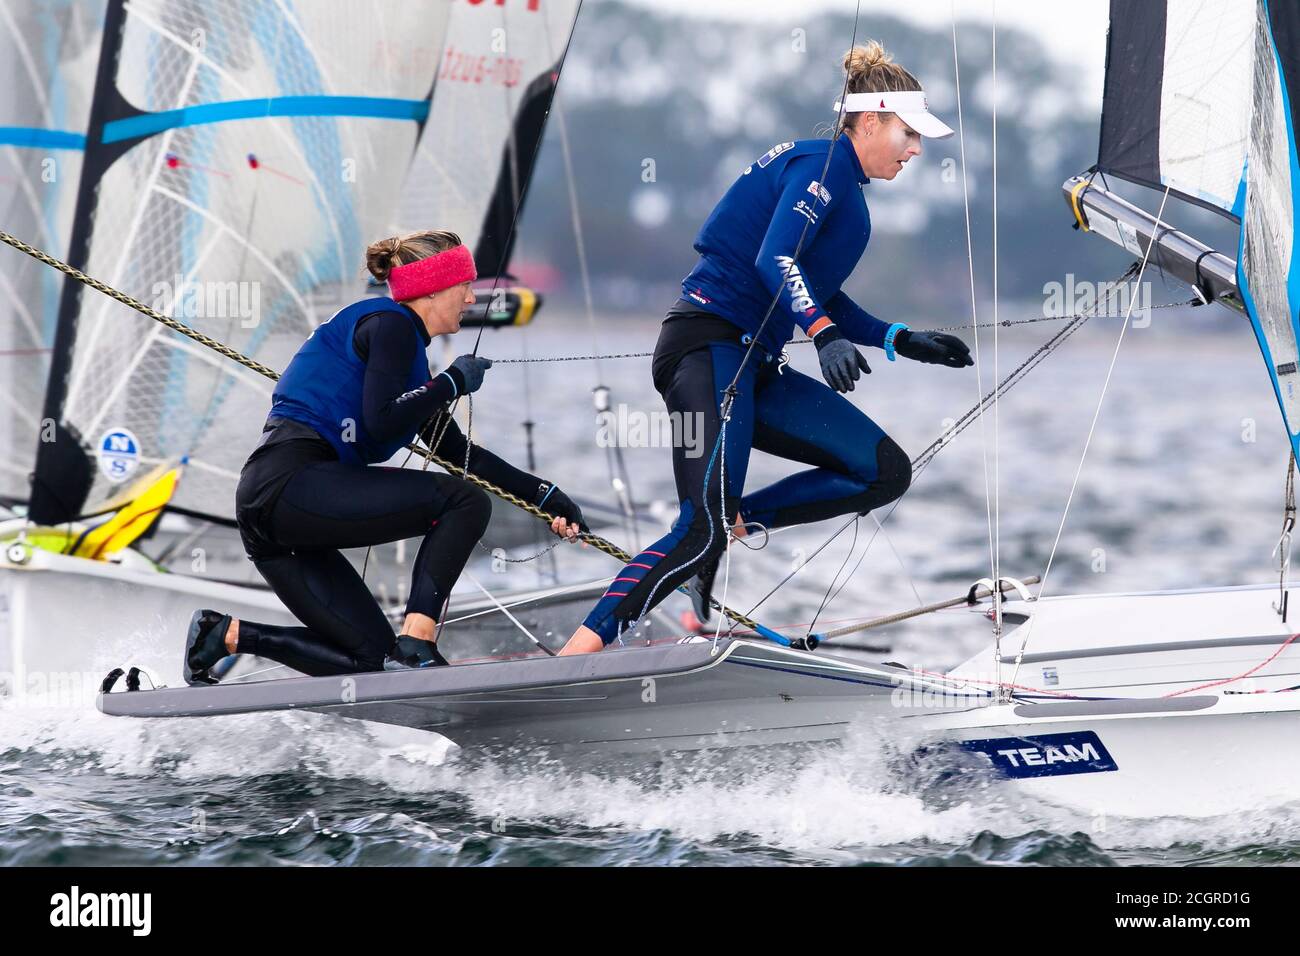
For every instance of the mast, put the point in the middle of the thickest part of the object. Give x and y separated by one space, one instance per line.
61 479
519 154
240 165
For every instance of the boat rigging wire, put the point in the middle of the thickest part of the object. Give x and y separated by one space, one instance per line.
880 530
506 611
620 479
927 455
1091 430
1004 323
970 267
1283 547
595 540
826 598
730 392
974 594
995 525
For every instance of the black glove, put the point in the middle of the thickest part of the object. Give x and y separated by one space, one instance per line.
842 363
554 501
933 348
467 372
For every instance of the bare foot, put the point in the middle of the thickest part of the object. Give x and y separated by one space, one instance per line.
232 636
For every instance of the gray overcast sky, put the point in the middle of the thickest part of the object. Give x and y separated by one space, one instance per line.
1074 31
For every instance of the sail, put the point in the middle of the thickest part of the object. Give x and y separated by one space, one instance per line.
48 52
496 79
239 156
1175 107
1201 100
1268 273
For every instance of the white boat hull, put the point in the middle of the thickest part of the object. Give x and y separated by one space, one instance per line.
1184 695
1195 751
65 621
667 698
1193 756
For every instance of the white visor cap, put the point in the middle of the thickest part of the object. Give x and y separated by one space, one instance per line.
910 105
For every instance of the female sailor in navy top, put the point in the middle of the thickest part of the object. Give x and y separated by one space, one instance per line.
791 228
356 392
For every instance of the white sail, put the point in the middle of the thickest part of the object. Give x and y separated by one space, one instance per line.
496 76
1200 101
48 52
1265 263
240 156
245 154
1178 84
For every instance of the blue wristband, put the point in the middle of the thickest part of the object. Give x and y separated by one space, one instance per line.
890 335
454 390
545 496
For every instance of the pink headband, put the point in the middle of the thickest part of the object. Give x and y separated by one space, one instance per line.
432 274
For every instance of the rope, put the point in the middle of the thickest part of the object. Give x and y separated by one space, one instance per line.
139 306
595 540
1283 549
968 326
969 598
510 617
1242 676
927 455
1015 375
970 268
1092 428
995 529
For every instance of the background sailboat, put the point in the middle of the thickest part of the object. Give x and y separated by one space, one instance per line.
49 55
233 161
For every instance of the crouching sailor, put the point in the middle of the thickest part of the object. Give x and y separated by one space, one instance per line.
355 393
773 254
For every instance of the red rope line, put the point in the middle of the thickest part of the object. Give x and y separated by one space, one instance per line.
1229 680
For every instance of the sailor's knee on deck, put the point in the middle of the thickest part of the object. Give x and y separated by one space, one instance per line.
371 658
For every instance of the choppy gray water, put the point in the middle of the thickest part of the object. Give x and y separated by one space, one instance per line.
1174 493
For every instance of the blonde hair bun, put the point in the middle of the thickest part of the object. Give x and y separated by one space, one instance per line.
385 255
870 68
862 59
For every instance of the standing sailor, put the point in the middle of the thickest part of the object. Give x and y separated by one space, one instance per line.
793 228
355 393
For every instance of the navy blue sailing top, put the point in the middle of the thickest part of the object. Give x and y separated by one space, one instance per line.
366 406
747 246
361 386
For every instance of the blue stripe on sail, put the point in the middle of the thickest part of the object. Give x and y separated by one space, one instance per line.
178 428
41 138
362 106
297 72
1293 270
1243 288
1239 202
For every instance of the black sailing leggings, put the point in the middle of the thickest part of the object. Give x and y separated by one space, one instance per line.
331 505
856 468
